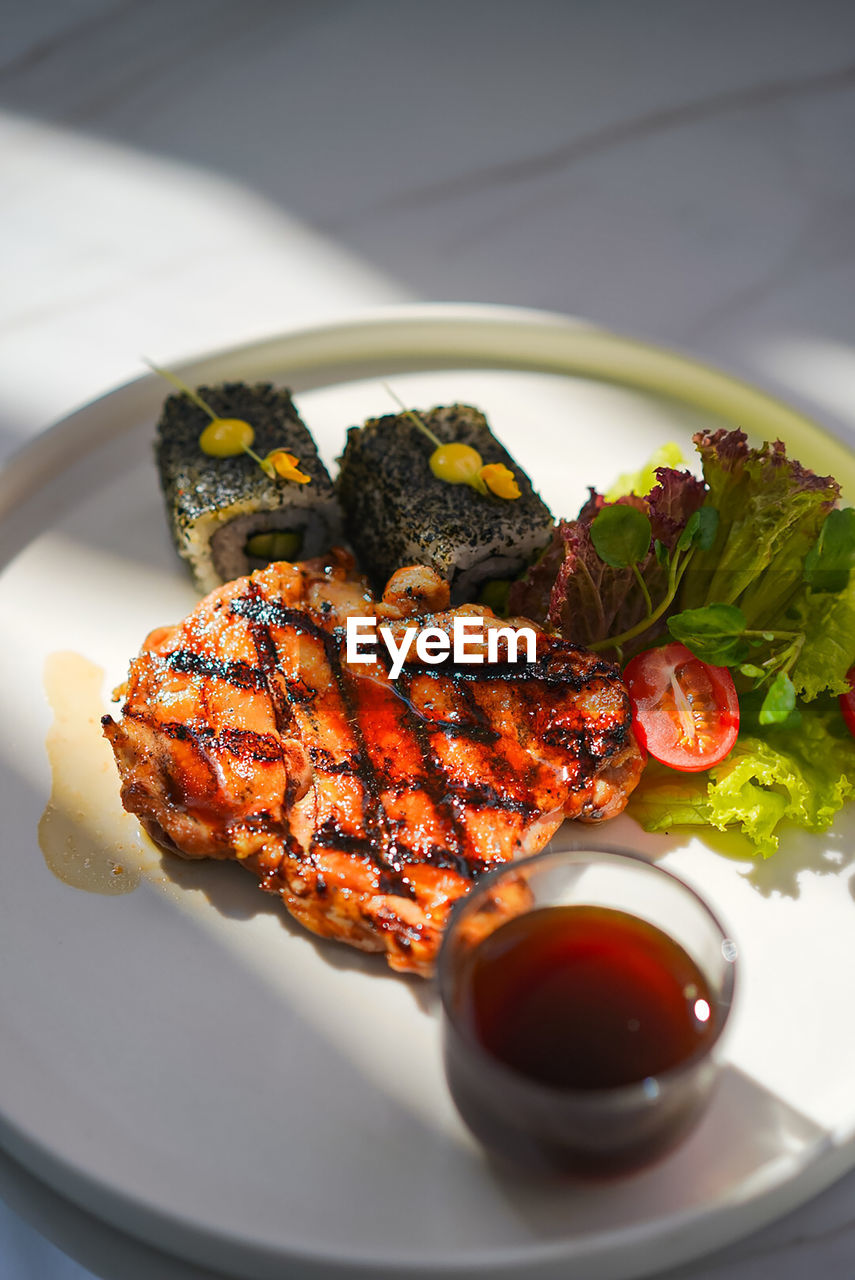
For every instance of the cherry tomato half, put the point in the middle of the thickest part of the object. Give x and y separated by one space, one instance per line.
847 702
685 712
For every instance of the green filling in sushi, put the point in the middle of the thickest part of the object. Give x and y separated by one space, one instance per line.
228 517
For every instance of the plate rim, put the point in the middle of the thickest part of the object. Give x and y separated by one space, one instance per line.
551 343
573 346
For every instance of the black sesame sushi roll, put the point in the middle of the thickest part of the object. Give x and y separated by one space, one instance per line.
398 512
227 515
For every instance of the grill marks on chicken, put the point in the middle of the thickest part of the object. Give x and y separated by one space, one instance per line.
368 806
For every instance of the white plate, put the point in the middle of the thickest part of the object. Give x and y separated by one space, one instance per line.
186 1063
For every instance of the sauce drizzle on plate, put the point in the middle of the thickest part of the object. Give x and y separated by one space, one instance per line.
88 840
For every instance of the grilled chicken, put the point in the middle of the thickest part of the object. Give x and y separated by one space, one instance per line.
368 805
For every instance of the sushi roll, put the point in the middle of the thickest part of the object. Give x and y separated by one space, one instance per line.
397 512
227 517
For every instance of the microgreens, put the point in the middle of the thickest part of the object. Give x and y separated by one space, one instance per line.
832 557
780 700
717 634
700 531
621 535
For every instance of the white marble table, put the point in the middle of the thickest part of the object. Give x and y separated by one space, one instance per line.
182 174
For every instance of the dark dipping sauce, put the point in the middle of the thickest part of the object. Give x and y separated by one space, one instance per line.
585 997
582 1009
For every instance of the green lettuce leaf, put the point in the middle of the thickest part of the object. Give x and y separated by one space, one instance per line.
642 481
771 510
665 799
828 621
803 776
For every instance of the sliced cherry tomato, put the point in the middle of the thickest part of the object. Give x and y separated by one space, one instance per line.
847 702
685 712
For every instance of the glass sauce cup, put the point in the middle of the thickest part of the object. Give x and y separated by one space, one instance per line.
593 1130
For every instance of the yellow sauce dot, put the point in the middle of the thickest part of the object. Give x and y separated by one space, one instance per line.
226 437
456 463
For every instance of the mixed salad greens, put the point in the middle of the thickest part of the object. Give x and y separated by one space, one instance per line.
741 586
